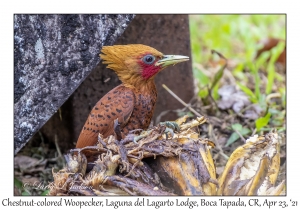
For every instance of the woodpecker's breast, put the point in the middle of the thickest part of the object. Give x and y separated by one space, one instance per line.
143 110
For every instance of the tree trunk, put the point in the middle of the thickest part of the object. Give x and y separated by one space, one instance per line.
53 54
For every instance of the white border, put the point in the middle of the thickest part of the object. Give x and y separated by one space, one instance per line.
8 8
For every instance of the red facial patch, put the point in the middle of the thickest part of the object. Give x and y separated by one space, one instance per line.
148 70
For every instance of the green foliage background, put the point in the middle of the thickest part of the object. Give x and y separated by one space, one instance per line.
238 38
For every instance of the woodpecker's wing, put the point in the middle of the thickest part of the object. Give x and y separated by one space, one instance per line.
116 104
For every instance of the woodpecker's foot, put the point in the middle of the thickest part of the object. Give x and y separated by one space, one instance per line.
171 126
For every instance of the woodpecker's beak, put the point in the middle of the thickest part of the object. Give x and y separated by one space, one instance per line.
168 60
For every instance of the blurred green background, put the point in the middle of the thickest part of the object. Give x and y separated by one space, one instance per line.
237 36
261 77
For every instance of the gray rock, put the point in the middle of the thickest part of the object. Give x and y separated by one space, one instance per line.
53 54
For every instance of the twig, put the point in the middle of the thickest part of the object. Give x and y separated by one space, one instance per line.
59 112
217 77
219 54
240 113
58 150
213 100
272 95
42 137
43 143
181 101
254 131
163 113
136 163
241 136
212 135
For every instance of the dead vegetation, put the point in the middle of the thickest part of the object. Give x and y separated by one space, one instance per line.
159 164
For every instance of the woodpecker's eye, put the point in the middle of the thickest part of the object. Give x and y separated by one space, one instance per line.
148 59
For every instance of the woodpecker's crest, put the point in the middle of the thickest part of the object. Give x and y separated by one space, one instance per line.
135 63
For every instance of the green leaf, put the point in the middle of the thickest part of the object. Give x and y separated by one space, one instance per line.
203 93
235 136
248 92
262 59
46 192
217 77
283 96
202 78
262 121
254 70
275 53
262 101
274 111
215 93
271 77
281 130
279 77
277 123
237 127
25 193
238 71
18 183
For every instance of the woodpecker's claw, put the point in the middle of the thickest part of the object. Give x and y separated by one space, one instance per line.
169 130
171 126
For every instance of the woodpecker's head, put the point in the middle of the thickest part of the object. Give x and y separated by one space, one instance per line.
137 62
